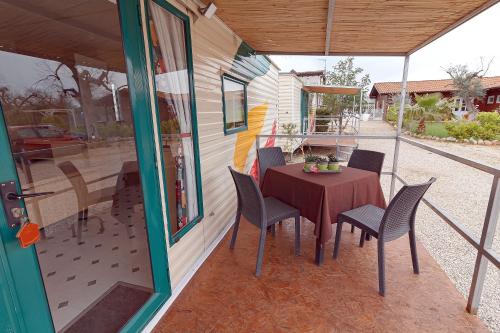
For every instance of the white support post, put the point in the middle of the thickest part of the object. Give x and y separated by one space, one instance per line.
400 125
486 242
360 109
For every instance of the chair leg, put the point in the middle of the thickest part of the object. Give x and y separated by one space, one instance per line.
79 226
297 235
413 249
362 238
352 228
235 229
337 240
260 253
86 217
381 268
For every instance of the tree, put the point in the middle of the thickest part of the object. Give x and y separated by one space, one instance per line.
344 74
468 84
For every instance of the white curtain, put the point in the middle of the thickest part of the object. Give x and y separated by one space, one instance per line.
175 83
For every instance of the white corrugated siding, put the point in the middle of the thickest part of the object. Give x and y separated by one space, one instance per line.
289 103
214 47
289 99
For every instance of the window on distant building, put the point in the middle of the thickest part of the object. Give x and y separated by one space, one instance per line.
491 100
460 105
498 99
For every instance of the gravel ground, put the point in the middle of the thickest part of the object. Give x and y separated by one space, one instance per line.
461 191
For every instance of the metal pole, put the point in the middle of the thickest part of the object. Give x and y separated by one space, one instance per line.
360 109
400 125
489 227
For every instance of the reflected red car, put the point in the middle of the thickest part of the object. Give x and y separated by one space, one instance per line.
37 142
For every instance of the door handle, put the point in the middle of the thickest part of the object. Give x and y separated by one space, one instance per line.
14 196
11 201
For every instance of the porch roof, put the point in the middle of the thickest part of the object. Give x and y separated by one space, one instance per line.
337 27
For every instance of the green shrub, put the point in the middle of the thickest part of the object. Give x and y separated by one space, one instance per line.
170 126
471 129
489 118
115 129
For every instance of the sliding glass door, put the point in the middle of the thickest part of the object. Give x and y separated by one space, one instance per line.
70 129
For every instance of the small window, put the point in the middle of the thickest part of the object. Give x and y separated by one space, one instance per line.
491 99
460 105
498 99
234 104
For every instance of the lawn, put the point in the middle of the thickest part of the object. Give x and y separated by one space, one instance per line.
431 128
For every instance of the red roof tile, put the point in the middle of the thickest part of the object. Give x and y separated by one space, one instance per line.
427 86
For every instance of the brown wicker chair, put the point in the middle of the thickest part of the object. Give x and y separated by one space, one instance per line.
386 225
261 212
269 157
366 160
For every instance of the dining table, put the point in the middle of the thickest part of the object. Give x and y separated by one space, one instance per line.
320 197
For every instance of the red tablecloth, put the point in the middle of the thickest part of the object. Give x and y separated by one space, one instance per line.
321 197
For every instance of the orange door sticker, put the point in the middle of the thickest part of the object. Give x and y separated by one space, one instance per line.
28 234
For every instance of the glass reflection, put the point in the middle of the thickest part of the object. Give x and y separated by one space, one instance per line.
65 100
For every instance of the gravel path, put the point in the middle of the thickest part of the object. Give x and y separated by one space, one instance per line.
461 191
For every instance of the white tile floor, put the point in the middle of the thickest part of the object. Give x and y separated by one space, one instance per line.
75 275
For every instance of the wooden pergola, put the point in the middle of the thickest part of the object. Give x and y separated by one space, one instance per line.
344 27
328 89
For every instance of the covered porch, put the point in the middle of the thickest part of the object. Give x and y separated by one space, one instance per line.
293 294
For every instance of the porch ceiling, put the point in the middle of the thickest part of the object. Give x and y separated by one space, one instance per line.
41 30
362 27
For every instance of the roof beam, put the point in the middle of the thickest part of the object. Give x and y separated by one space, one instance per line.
329 26
449 28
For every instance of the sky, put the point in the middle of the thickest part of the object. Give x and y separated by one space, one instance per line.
466 44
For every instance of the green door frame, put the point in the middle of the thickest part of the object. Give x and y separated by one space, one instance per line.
174 238
304 108
21 284
28 301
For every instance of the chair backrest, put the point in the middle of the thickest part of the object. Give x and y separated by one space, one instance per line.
269 157
367 160
77 181
250 199
399 217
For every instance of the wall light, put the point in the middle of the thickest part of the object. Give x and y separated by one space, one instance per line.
209 11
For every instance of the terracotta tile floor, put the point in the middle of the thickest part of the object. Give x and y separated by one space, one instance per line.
295 295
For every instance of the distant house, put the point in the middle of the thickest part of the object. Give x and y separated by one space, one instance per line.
383 92
293 101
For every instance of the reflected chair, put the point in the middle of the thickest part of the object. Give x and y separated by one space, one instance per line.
85 198
366 160
386 225
269 157
261 212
